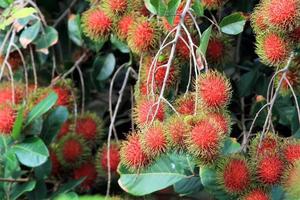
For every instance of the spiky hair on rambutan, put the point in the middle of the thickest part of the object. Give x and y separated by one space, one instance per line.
55 165
72 150
221 120
264 145
292 79
102 159
282 15
291 181
114 7
123 25
143 35
145 111
90 127
213 4
183 48
273 48
176 129
65 92
256 194
9 94
96 24
234 174
138 6
214 90
291 150
65 129
153 140
218 49
204 141
86 170
8 114
185 104
258 19
269 169
132 155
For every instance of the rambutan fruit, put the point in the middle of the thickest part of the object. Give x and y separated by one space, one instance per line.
283 15
182 47
143 35
234 174
221 120
291 150
256 194
176 130
7 118
204 141
96 24
64 90
102 159
214 90
146 109
185 104
269 169
132 154
218 49
14 60
55 165
65 129
269 144
138 6
72 150
11 95
89 126
291 181
258 19
212 4
153 140
123 26
87 171
272 48
115 6
295 34
292 78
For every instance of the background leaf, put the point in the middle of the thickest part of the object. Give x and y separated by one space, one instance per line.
233 24
74 29
21 188
108 64
29 34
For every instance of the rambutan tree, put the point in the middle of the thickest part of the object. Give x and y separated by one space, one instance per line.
152 99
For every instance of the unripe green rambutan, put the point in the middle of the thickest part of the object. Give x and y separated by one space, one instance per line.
96 24
204 141
185 104
143 35
72 150
256 194
291 150
102 159
153 140
234 174
291 181
132 154
214 90
272 48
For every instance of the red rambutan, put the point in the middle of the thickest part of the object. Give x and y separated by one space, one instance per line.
182 48
132 154
185 104
65 129
214 90
72 150
269 169
115 6
234 174
221 120
7 118
63 89
55 165
153 140
123 26
257 194
96 24
145 111
212 4
7 95
258 19
291 151
102 159
292 78
187 19
87 171
143 35
14 60
218 49
176 130
291 181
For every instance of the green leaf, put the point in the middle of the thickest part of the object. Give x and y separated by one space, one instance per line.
166 171
46 40
277 193
16 132
150 7
5 3
53 124
5 142
11 165
29 34
43 171
188 186
230 146
247 82
41 108
74 29
34 128
204 40
233 24
19 13
72 196
198 8
70 185
39 192
32 152
21 188
172 10
108 64
119 45
159 6
297 134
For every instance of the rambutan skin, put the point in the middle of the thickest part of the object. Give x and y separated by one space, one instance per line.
96 24
258 19
123 26
212 4
185 104
115 6
102 159
291 181
88 171
256 194
214 90
221 120
11 95
132 154
291 151
7 118
55 165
